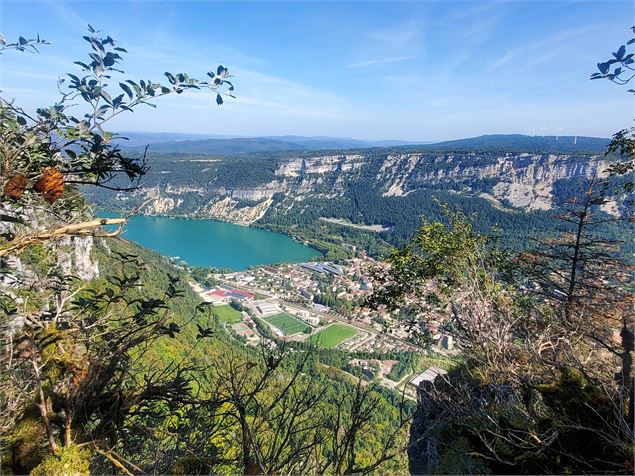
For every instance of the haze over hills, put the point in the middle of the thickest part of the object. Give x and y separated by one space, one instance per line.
220 145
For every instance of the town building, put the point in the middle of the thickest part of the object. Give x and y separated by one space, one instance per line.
268 309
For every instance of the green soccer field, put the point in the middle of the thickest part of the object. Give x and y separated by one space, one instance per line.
332 335
287 324
227 314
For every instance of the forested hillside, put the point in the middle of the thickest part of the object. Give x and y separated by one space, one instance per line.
200 144
188 362
394 190
162 143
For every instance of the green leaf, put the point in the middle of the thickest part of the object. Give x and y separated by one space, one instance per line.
106 96
126 89
110 59
135 86
619 54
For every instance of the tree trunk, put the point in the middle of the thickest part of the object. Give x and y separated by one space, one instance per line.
43 408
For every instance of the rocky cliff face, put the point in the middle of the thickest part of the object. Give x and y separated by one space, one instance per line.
522 180
228 209
74 254
75 257
508 180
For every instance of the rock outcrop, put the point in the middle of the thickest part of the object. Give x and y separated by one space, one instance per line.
508 180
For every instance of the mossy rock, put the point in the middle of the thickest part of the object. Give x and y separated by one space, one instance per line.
68 461
22 445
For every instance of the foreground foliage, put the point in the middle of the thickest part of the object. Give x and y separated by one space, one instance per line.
546 384
110 362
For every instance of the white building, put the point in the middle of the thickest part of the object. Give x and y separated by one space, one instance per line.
268 309
313 320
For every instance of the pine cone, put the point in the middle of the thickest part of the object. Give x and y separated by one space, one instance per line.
51 185
14 188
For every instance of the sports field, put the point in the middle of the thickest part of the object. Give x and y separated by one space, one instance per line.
287 324
332 335
227 314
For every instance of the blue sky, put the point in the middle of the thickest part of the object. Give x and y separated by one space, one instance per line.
370 70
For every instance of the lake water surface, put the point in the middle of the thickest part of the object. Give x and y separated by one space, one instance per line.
215 243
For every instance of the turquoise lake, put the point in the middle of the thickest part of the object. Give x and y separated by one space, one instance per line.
215 243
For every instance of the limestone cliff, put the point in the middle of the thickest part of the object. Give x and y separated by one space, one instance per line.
508 180
226 209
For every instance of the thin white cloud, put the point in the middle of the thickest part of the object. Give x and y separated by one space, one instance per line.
400 35
26 93
262 92
30 74
68 15
528 52
373 62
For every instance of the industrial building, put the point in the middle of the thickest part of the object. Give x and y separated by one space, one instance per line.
268 309
323 268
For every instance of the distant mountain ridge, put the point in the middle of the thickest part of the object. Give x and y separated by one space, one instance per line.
221 145
523 143
168 142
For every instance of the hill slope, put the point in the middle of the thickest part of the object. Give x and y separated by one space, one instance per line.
218 145
522 143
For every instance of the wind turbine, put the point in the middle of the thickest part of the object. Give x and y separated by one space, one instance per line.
558 129
533 131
